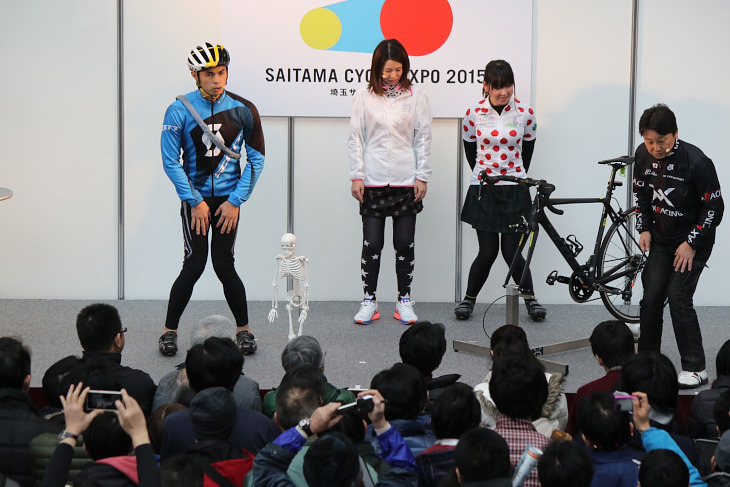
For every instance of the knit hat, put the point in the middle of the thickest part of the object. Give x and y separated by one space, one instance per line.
213 412
722 453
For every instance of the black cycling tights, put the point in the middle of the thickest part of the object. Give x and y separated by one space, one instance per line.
373 239
489 244
196 257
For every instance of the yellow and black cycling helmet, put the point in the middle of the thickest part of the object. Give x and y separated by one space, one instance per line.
208 56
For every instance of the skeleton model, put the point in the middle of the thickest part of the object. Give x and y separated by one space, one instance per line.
290 267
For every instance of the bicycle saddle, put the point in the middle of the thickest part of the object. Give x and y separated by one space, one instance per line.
622 161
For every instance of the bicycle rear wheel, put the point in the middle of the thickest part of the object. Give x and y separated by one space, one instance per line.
620 264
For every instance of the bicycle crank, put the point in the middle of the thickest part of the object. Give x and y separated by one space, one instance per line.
578 289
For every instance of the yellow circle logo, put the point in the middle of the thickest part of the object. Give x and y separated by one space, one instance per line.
320 28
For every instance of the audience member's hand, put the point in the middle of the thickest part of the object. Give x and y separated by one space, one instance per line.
131 419
77 420
641 411
377 415
324 417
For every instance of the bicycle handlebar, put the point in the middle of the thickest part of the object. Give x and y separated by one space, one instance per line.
544 188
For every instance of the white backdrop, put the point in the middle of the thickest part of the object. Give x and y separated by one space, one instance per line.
274 65
58 146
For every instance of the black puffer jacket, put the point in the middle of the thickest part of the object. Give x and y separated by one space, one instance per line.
19 424
701 421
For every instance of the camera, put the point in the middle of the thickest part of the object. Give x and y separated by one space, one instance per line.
623 402
104 400
362 405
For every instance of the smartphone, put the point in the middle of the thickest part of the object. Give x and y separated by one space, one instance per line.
623 402
362 405
104 400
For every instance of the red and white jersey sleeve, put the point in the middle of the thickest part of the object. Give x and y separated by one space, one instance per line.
499 137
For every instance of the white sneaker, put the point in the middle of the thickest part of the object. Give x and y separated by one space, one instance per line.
690 380
368 312
404 312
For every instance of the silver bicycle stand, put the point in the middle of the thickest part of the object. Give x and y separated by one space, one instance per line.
513 318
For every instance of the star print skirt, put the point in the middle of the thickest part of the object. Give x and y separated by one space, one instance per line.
385 201
499 208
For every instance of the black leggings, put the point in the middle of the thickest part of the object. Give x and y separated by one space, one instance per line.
489 245
196 257
373 239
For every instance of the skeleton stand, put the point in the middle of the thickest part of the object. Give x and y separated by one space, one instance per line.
295 268
512 318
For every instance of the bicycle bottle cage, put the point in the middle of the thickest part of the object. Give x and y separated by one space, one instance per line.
575 246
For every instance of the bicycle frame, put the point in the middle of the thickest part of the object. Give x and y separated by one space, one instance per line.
538 217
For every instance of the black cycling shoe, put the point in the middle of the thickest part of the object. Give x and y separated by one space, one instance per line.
246 342
535 309
168 343
464 309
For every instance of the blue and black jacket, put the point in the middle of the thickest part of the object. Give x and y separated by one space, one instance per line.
203 170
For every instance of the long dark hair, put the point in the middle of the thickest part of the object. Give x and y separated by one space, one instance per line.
389 49
498 74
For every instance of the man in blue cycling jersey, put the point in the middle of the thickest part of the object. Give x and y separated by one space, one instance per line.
212 180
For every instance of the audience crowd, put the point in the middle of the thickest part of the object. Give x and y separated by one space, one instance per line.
206 424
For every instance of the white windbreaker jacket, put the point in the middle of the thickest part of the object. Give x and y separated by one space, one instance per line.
390 138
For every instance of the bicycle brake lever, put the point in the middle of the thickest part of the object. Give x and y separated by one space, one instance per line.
554 210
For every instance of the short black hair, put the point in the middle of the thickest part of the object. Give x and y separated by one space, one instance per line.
658 118
179 471
518 387
455 411
299 394
97 325
509 340
217 362
351 425
605 428
423 345
106 438
722 360
96 375
331 461
653 374
14 363
663 468
482 454
404 388
721 411
53 380
613 342
565 464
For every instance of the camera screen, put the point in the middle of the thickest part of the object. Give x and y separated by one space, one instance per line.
103 400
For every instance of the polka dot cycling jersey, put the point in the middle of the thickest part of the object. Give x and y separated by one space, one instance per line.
499 137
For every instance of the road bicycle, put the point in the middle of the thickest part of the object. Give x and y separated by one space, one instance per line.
616 263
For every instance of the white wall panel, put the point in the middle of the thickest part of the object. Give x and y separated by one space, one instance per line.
58 150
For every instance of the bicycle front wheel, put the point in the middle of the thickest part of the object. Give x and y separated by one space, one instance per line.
619 269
